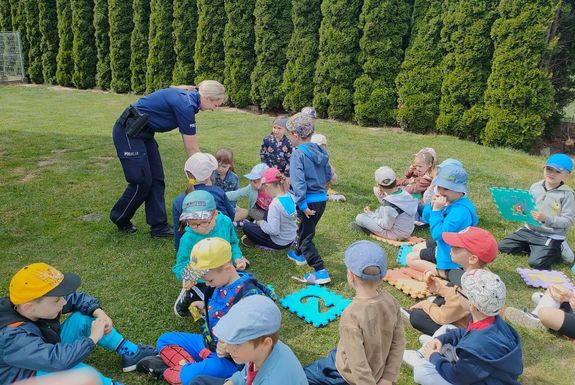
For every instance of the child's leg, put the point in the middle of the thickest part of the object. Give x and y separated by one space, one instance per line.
543 255
258 236
257 214
421 321
555 319
422 258
324 372
306 233
82 370
426 374
515 243
176 212
208 380
241 214
367 222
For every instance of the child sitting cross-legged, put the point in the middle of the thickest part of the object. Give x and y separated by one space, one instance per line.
371 337
249 333
472 248
487 351
449 211
200 220
395 218
258 201
225 176
184 356
33 340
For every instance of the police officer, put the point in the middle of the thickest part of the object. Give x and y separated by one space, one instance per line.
137 149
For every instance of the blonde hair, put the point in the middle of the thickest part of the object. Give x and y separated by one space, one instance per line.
428 157
213 90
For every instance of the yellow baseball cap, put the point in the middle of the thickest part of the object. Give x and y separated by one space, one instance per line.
208 254
41 280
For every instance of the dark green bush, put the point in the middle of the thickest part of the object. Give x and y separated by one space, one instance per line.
120 24
18 13
209 49
49 44
64 59
139 45
5 16
184 26
83 45
34 41
161 51
385 24
337 66
301 54
102 34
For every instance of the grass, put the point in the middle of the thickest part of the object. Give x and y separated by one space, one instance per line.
59 177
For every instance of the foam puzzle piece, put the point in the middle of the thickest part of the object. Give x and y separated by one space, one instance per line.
310 310
545 278
413 240
514 205
407 280
402 254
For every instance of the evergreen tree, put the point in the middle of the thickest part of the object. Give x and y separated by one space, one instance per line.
272 34
161 51
83 45
49 45
519 96
5 16
139 45
301 54
34 41
239 50
337 66
209 59
102 34
64 59
466 66
18 15
419 79
385 24
185 23
120 24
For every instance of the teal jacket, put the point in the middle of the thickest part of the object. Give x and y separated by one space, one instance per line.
244 192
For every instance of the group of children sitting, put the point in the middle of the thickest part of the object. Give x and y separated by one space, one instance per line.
464 340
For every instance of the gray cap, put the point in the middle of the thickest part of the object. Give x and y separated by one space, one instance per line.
485 290
251 317
384 176
363 254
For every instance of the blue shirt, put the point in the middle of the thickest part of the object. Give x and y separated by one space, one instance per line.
170 108
230 182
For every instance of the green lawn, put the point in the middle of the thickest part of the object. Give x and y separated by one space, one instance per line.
58 165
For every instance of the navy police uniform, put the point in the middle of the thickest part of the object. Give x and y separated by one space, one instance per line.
133 135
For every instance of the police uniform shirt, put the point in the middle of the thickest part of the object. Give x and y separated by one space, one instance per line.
170 108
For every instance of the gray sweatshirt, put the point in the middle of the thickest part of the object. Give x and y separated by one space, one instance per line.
558 206
399 221
281 223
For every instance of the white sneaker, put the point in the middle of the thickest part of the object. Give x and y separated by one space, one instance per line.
566 253
536 297
424 338
431 298
405 314
523 318
413 358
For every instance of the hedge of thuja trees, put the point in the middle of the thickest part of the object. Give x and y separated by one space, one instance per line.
18 12
301 54
337 67
48 19
34 41
5 16
466 38
83 44
64 60
272 33
161 49
385 24
139 45
209 50
239 50
120 24
102 34
184 26
419 79
519 96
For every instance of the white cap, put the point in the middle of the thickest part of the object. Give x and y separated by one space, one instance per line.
201 165
384 176
319 139
485 290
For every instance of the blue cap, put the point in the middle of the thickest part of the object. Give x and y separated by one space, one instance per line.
363 254
560 162
453 178
257 171
451 162
251 317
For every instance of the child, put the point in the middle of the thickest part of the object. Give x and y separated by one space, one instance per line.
33 342
199 169
279 229
554 310
310 172
332 195
256 199
394 219
420 174
371 333
488 351
183 356
250 333
449 211
555 211
472 248
202 220
225 176
276 148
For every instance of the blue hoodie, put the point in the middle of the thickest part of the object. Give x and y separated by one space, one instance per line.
310 171
490 356
454 217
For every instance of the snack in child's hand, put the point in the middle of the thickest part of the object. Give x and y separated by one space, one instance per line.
428 277
195 312
559 292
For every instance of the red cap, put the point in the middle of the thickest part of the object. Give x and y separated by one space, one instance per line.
478 242
271 175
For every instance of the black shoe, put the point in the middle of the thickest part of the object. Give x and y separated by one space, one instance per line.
128 228
182 304
153 366
166 232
